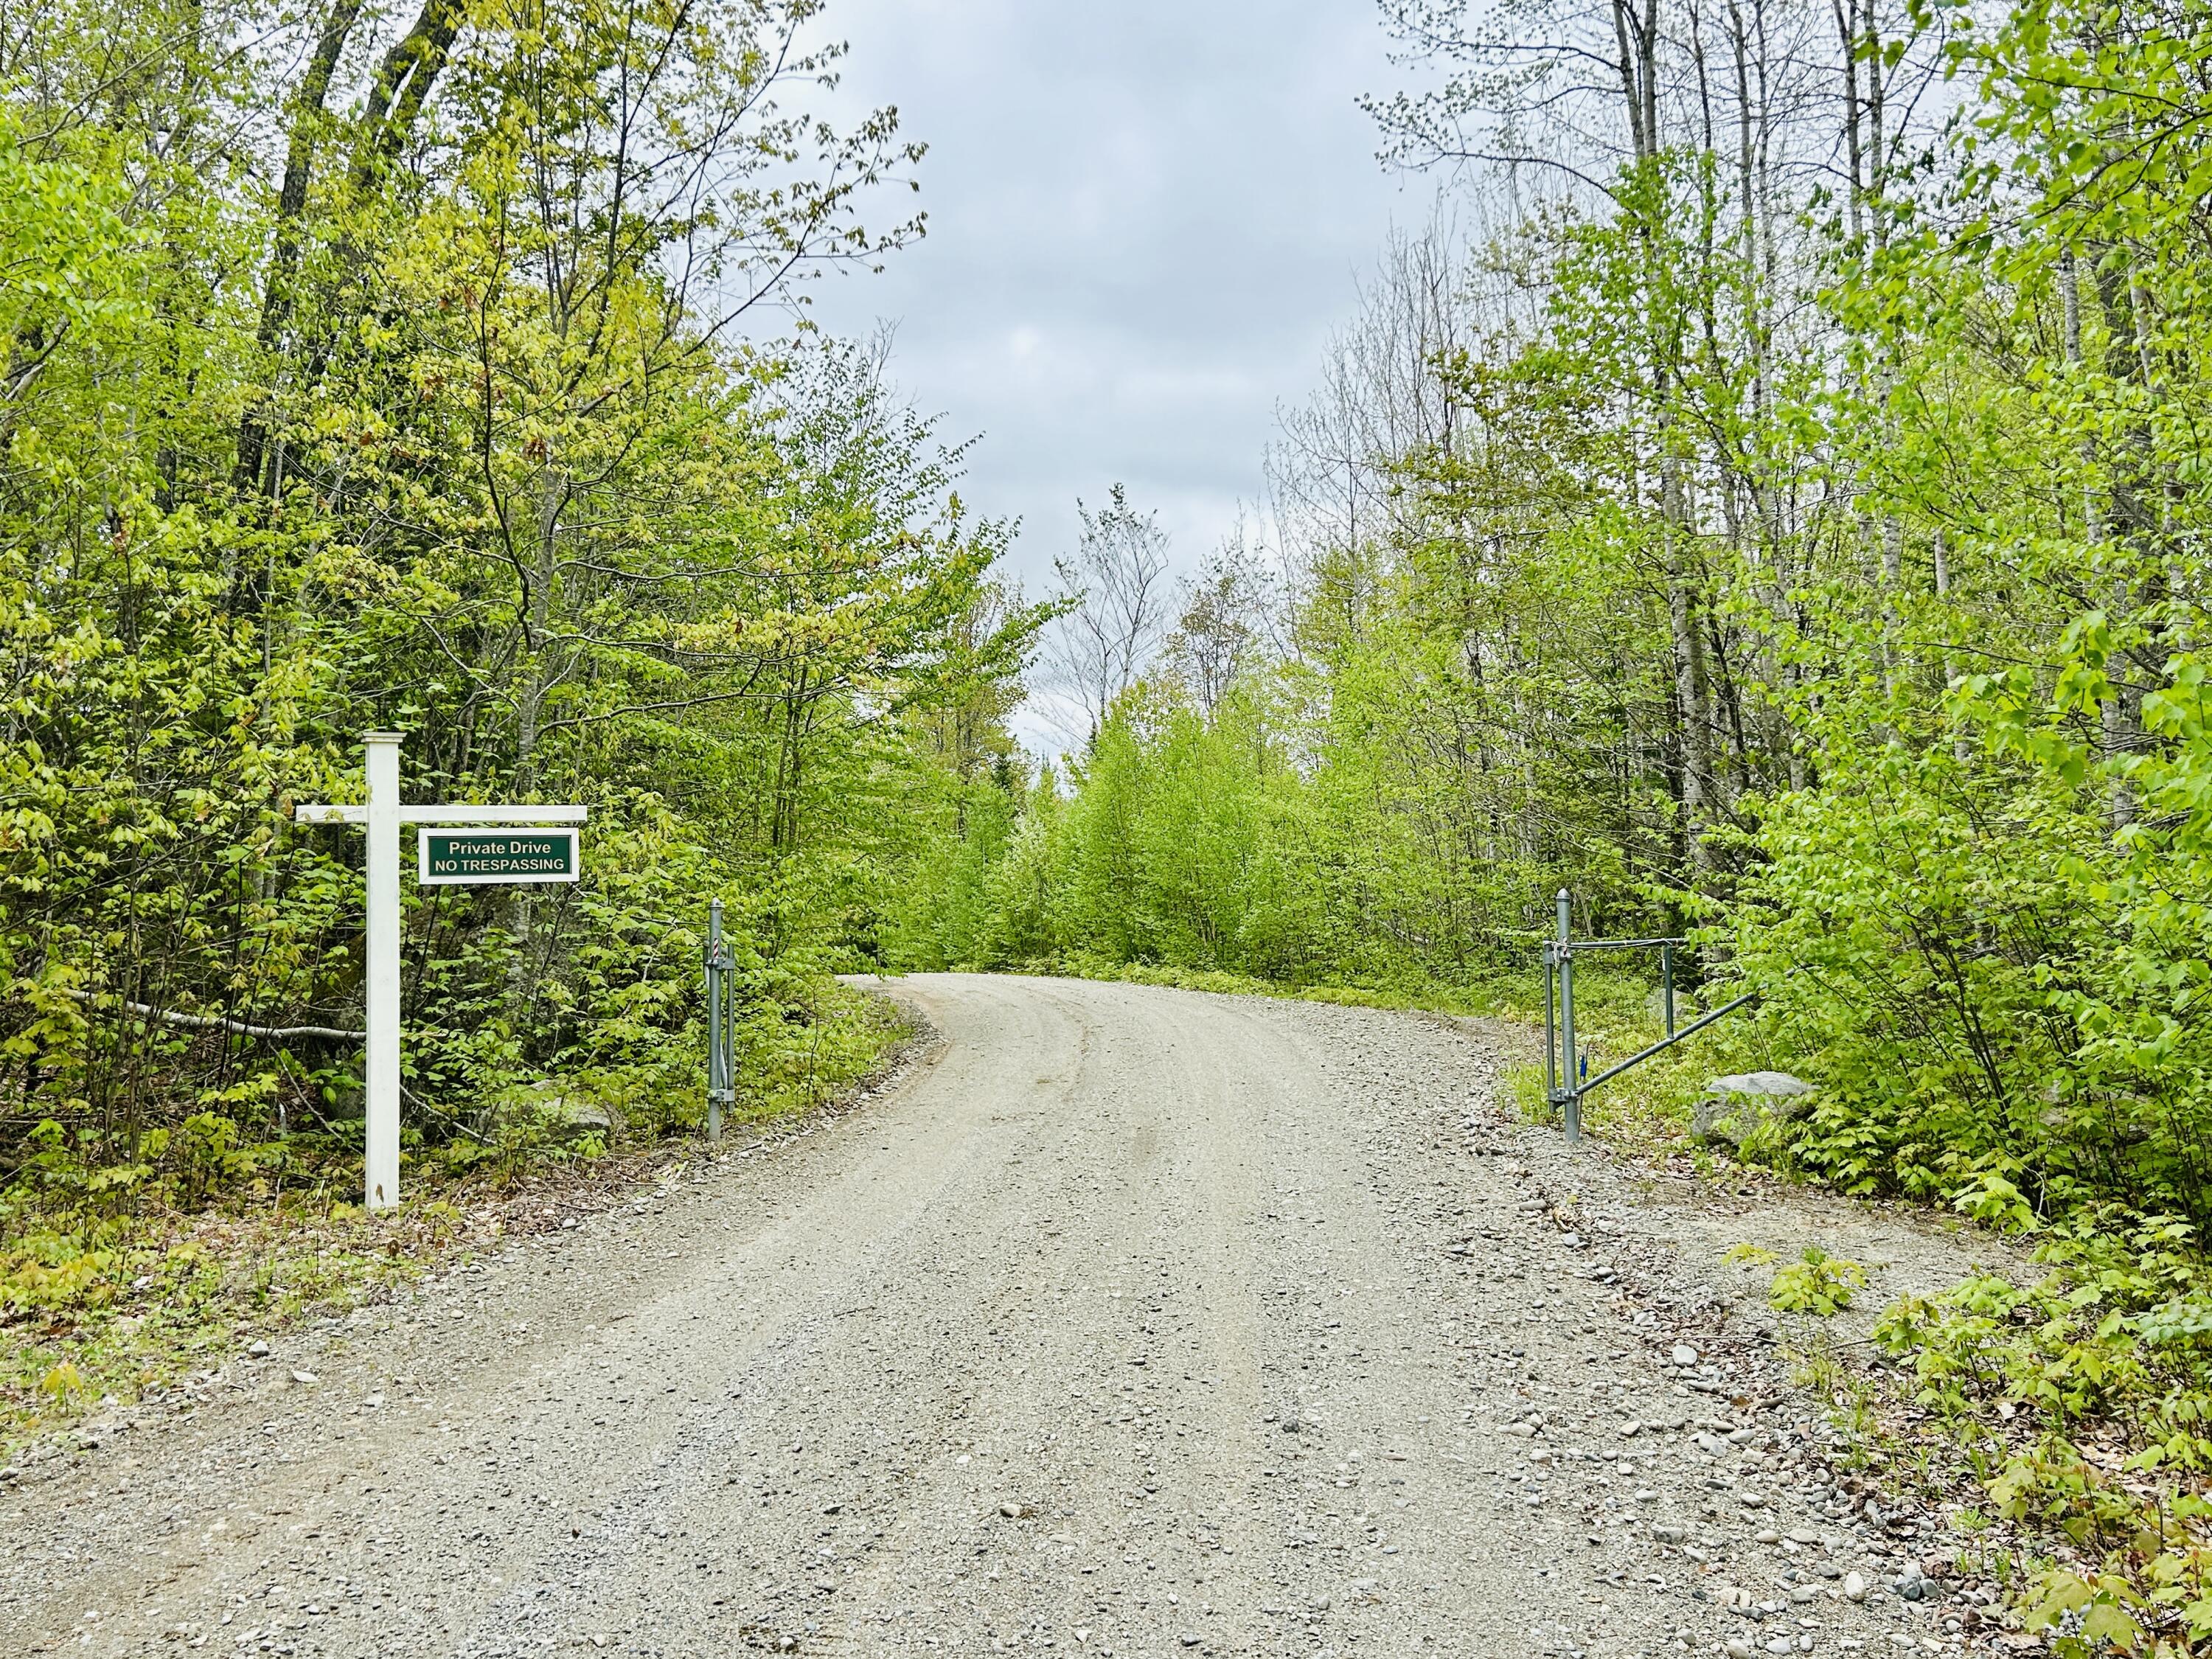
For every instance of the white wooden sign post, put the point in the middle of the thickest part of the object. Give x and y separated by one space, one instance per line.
487 852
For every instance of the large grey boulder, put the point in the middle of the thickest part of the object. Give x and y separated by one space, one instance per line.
585 1115
1737 1105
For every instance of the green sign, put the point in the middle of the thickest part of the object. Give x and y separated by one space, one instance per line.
448 857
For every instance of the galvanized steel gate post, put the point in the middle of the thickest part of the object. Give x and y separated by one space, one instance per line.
722 999
1569 1098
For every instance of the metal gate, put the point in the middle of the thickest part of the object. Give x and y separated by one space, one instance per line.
1561 1052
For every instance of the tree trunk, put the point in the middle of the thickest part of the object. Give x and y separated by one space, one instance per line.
278 301
1692 681
2128 517
402 87
539 675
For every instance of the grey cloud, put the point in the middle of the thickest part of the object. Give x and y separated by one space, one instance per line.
1144 218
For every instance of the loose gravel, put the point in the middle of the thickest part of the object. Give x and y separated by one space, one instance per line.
1129 1322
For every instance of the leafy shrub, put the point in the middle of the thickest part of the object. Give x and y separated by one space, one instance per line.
1817 1283
2086 1397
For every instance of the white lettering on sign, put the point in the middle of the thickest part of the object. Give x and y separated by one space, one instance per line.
453 857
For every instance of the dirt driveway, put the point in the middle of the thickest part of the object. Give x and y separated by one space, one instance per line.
1130 1321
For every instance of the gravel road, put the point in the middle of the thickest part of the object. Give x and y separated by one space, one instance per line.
1129 1321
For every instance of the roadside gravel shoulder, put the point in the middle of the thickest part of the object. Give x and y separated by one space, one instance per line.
1741 1473
236 1449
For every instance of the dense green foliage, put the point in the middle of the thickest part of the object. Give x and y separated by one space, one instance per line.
424 375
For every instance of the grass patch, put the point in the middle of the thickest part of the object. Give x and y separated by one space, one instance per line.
92 1318
1507 996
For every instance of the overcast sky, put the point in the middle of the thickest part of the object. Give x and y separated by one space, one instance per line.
1144 218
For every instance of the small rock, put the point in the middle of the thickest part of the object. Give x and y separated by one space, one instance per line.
256 1351
1630 1428
1769 1536
1014 1511
304 1377
1854 1586
1670 1532
1740 1647
1804 1535
1684 1354
10 1474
